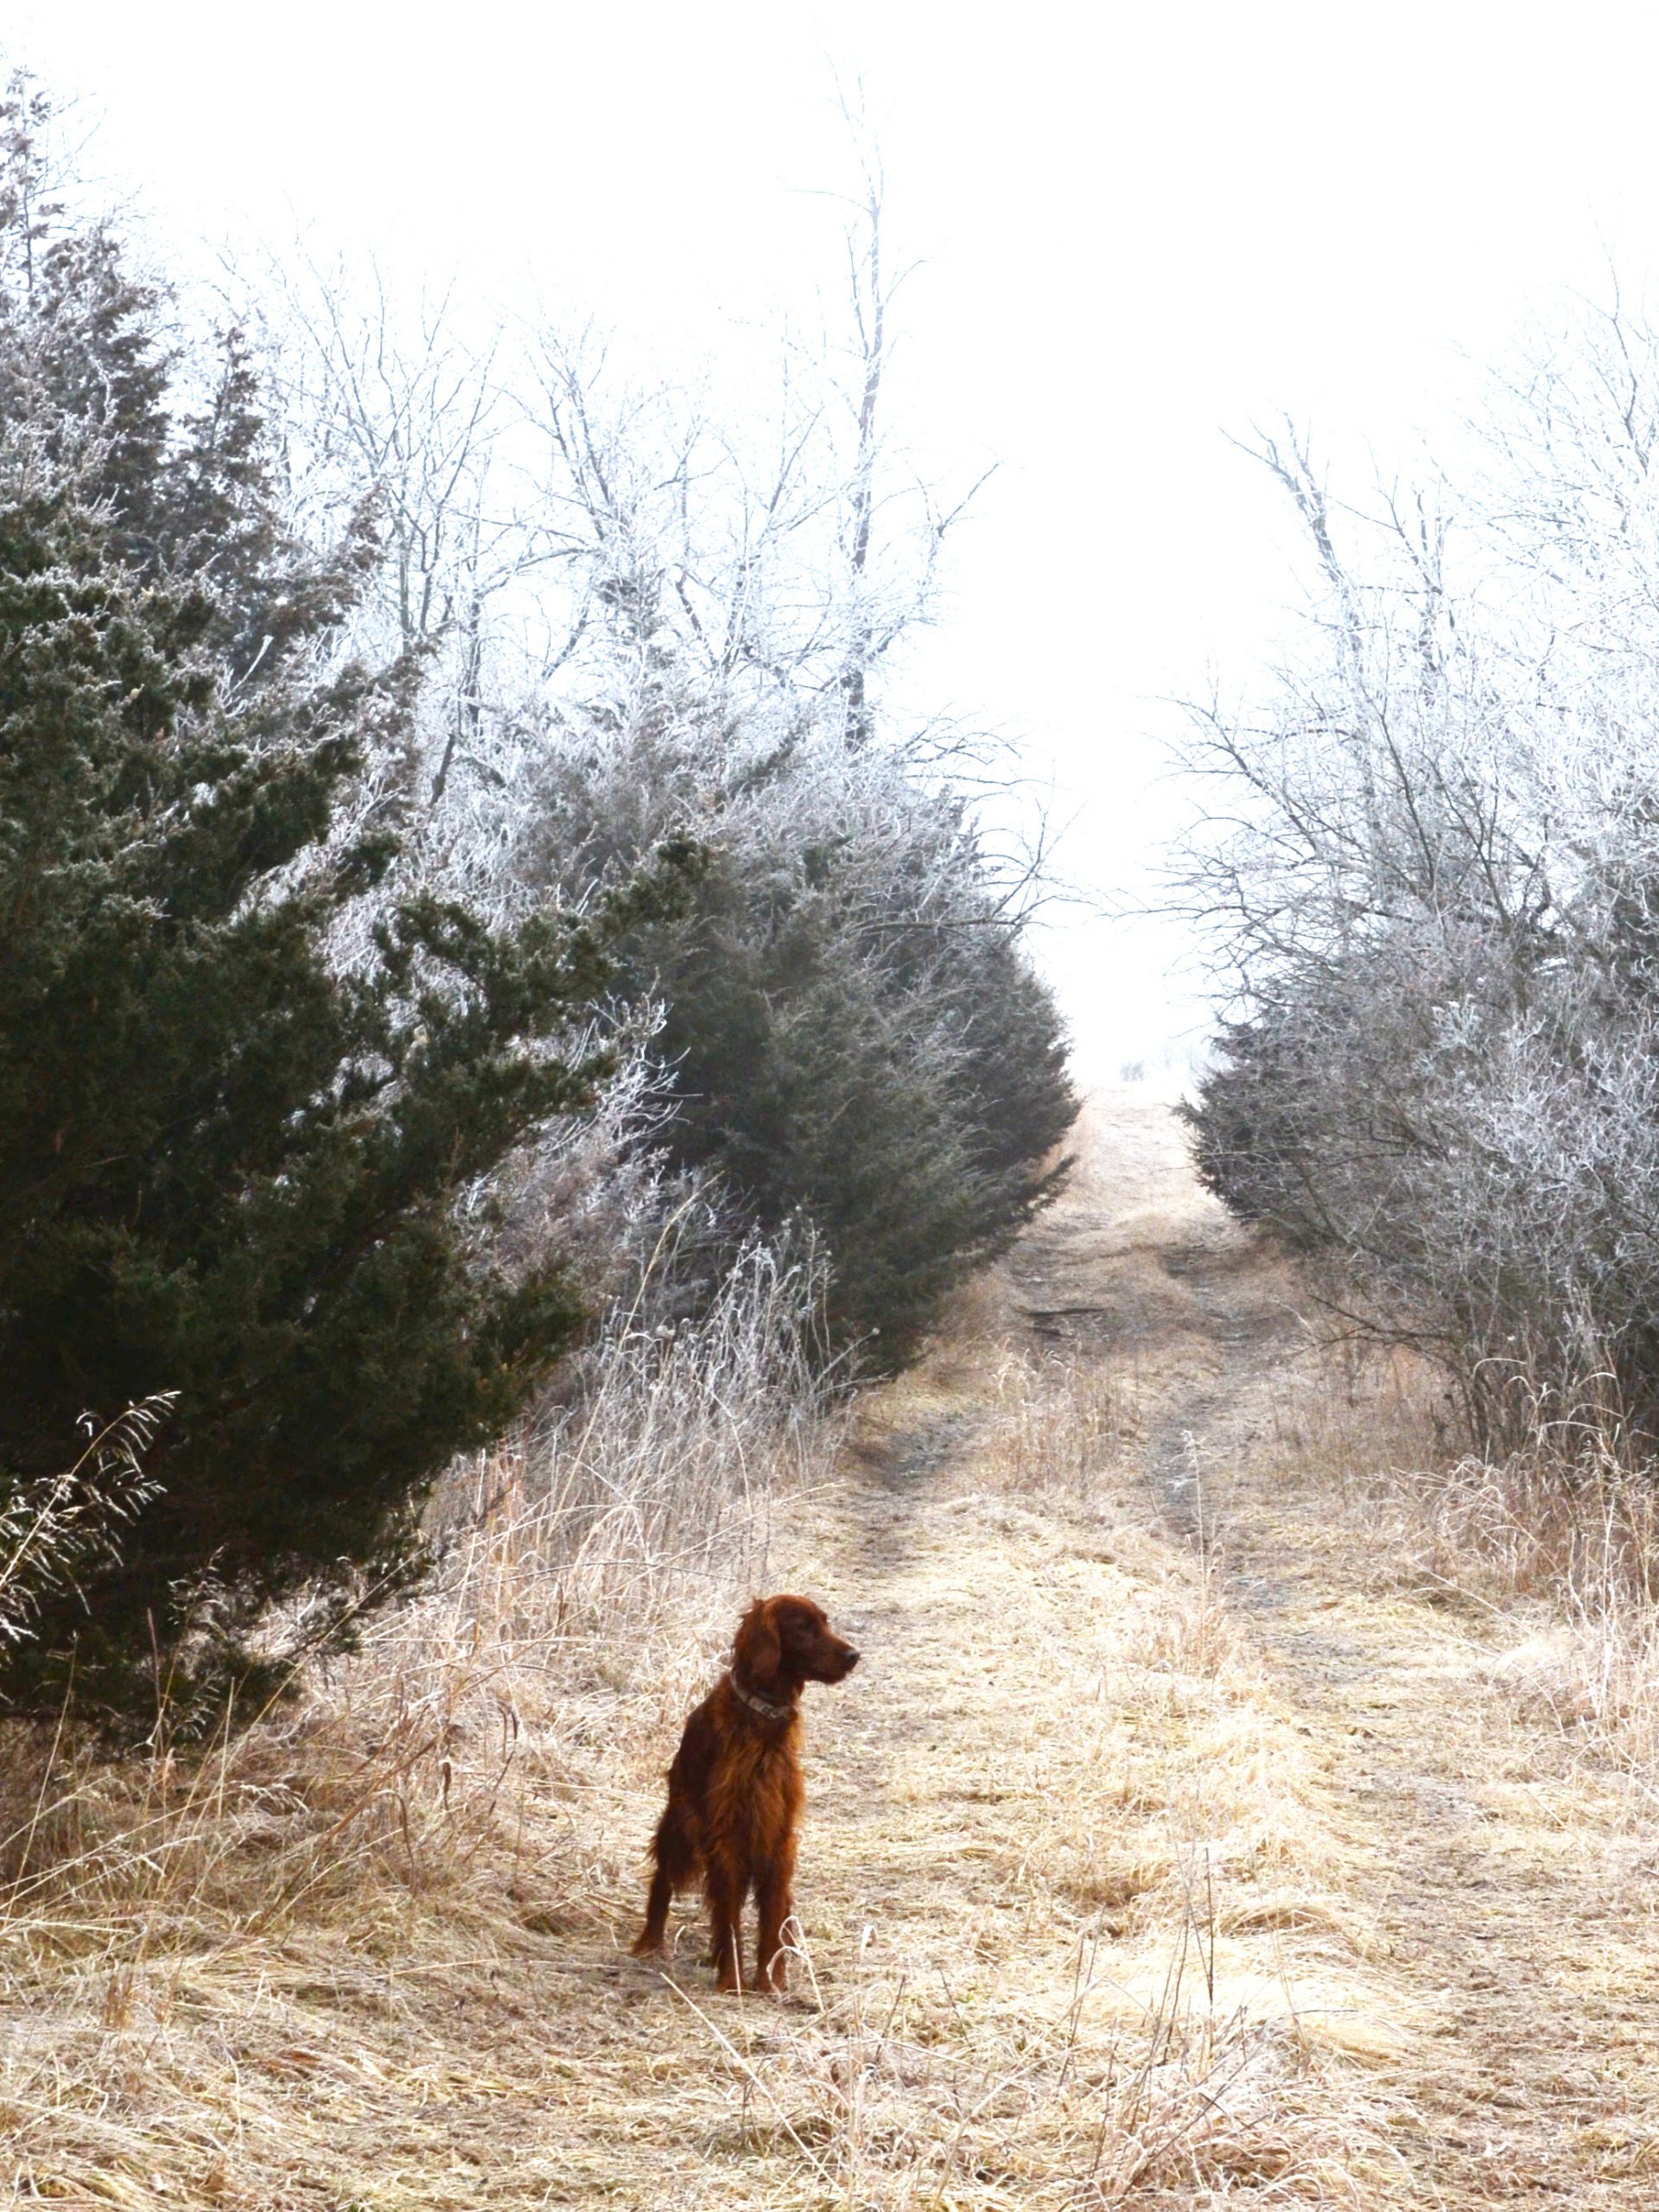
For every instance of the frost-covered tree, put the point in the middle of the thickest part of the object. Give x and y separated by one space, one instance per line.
851 1027
656 613
1434 867
232 1168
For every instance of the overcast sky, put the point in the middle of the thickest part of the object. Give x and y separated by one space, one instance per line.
1144 226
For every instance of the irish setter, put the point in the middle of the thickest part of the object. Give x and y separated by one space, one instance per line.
734 1788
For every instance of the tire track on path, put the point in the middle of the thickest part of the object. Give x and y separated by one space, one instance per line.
1515 1893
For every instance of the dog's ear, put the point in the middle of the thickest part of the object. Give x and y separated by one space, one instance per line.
755 1648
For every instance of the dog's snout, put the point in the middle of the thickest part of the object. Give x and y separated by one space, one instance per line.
852 1658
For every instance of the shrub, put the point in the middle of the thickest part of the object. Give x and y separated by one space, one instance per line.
1434 880
852 1029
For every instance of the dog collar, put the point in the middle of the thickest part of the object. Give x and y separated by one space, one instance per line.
763 1705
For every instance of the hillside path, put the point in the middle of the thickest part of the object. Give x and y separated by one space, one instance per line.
1510 1877
1183 1724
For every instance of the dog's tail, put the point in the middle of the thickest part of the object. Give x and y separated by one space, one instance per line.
675 1865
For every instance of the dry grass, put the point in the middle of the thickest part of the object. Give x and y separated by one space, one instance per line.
1555 1551
221 1977
1134 1850
370 1955
1485 1637
1563 1559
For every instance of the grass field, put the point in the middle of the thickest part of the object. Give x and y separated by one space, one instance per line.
1239 1802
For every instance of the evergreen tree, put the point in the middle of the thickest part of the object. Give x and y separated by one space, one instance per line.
187 488
230 1162
851 1027
898 1076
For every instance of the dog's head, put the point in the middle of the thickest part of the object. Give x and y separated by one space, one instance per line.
783 1641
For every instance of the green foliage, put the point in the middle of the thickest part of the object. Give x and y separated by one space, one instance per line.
1254 1126
232 1158
900 1090
260 1083
852 1028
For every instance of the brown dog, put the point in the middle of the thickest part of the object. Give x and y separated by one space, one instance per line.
735 1789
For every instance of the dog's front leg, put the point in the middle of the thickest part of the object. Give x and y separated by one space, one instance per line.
773 1896
727 1889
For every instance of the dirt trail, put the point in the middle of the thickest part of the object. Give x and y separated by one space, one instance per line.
1075 1708
1513 1886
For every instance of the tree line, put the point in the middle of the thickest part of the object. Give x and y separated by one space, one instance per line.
457 843
1430 872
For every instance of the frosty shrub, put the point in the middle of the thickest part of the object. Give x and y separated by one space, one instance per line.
1430 875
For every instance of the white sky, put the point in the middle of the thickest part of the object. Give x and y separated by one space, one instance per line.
1145 225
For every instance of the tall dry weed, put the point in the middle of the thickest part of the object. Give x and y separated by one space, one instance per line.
905 2096
1555 1547
1059 1423
587 1568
